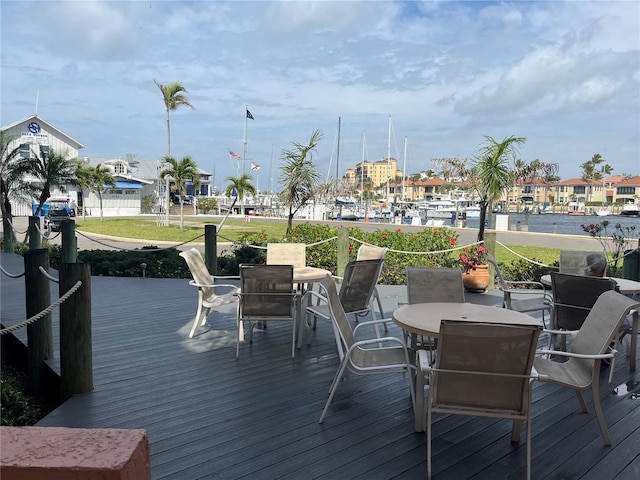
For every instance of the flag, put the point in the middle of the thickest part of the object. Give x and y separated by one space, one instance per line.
249 115
234 155
255 166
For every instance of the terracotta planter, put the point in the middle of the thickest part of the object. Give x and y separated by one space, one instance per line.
476 280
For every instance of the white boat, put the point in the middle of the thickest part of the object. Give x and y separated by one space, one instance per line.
439 209
630 210
472 211
603 212
576 208
434 223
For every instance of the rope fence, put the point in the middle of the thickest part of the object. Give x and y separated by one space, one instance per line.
44 312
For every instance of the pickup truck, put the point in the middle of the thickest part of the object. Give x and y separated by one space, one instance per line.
57 213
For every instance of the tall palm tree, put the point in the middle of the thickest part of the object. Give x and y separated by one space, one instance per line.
242 185
99 178
47 170
591 173
299 175
83 180
181 172
174 96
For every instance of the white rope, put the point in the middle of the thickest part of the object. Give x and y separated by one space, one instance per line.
525 258
11 275
137 249
48 275
14 228
454 249
44 312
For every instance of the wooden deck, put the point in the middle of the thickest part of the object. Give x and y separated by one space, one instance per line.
210 416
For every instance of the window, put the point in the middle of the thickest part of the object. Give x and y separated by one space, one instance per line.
577 190
25 150
626 190
119 168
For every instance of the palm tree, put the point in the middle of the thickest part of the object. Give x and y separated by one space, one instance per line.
242 185
492 172
48 170
590 172
181 172
489 173
83 180
174 96
8 184
299 176
100 177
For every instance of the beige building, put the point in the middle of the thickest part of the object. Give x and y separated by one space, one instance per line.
377 172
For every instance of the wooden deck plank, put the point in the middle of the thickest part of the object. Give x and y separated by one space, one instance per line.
209 415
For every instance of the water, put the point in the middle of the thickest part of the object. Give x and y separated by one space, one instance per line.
565 224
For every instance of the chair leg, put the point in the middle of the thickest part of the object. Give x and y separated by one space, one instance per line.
196 320
583 404
377 295
334 387
428 439
595 388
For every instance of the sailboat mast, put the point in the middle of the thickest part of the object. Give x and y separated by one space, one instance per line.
388 159
404 170
338 152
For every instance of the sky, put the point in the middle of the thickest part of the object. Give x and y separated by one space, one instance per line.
443 75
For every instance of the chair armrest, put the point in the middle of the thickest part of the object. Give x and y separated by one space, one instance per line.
311 293
378 341
613 353
559 332
423 361
369 323
214 285
537 285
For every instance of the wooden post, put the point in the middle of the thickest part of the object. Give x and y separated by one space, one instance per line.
69 243
343 250
211 249
39 333
76 362
9 237
35 239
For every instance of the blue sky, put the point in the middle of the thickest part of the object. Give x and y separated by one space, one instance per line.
563 74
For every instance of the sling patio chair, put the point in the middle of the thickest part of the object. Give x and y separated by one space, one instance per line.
428 285
522 296
373 252
356 296
590 345
364 357
210 294
573 298
266 293
482 369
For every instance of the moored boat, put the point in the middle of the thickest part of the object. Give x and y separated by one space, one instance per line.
630 210
603 212
576 208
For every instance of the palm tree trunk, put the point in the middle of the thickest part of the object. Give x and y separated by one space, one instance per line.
483 217
168 135
100 198
181 215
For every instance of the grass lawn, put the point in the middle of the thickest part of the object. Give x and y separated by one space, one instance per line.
141 228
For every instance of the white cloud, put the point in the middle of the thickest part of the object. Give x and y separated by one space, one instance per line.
447 72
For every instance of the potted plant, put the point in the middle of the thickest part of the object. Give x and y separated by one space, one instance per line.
475 270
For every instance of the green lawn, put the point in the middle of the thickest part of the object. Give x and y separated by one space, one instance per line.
140 228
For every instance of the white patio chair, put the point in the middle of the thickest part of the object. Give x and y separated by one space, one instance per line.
364 357
589 347
522 296
209 292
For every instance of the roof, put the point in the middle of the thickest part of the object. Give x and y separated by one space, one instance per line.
70 139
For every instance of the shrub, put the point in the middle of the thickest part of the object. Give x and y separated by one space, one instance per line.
207 204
